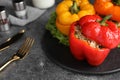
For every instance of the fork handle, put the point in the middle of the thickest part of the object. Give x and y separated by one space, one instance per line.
8 62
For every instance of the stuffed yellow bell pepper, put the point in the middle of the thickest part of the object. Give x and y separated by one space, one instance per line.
69 11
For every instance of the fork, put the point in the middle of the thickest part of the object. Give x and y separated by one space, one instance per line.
20 54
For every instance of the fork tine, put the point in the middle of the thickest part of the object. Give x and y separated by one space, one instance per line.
26 46
23 45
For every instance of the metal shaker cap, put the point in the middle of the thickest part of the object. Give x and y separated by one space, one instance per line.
3 14
19 5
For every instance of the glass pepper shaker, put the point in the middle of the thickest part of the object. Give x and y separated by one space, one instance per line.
20 8
4 22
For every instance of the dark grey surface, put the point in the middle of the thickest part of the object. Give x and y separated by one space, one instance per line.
36 66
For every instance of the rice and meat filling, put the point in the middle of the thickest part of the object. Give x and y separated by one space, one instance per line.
80 36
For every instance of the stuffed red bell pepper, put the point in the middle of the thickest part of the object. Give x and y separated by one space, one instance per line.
101 30
84 39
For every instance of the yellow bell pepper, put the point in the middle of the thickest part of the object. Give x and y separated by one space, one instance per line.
69 11
64 29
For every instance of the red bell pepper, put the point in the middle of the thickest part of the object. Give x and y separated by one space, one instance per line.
82 50
100 30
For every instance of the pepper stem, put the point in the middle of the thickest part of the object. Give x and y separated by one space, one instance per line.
116 2
103 22
74 8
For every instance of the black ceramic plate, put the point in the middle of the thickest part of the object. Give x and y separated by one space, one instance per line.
62 56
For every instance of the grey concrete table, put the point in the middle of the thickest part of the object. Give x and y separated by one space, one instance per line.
36 66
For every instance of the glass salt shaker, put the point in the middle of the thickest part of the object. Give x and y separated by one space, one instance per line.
43 4
4 22
20 8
